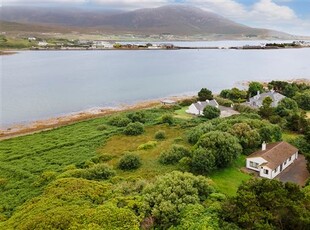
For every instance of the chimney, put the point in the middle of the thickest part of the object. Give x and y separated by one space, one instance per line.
264 146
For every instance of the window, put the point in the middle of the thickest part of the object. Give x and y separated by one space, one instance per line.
290 158
266 171
275 170
253 164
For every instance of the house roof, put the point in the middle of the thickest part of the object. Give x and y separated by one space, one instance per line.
202 104
275 153
272 94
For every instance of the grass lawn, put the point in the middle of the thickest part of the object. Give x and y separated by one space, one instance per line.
118 145
228 180
181 113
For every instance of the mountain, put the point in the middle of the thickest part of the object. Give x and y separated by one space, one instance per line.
171 19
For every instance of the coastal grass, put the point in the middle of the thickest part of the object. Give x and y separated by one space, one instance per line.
23 160
181 113
229 179
118 145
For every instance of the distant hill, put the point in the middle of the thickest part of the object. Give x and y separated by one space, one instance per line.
171 19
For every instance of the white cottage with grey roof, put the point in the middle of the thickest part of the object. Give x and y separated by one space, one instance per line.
257 100
197 108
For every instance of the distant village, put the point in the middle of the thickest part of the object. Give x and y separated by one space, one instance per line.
64 44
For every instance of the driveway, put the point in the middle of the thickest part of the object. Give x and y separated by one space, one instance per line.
227 111
296 172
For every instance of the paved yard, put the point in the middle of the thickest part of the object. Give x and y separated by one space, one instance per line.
227 111
296 172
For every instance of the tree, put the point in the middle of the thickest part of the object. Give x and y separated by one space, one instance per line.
286 107
211 112
225 147
134 129
205 94
303 99
248 137
268 204
174 154
266 110
129 162
255 87
203 161
171 193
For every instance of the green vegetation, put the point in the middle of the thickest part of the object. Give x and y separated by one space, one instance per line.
211 112
205 94
133 170
129 161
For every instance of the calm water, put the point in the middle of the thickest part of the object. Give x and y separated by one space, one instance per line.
39 85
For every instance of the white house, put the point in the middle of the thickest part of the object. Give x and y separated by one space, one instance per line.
43 43
257 100
197 108
272 159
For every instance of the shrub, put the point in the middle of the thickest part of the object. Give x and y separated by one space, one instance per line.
119 121
173 192
223 101
134 129
102 127
101 158
244 109
148 145
129 162
160 135
167 118
174 154
203 161
99 171
137 117
211 112
188 102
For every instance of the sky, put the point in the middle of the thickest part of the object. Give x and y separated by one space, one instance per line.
291 16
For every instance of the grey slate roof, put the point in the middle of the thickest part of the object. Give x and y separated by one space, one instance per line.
257 100
202 104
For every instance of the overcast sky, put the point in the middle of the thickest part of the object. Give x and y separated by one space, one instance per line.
292 16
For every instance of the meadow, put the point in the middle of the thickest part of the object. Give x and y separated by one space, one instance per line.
29 163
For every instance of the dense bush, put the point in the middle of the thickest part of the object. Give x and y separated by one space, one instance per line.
171 193
303 99
174 154
160 135
268 204
234 94
167 118
224 146
224 102
244 108
119 121
129 161
195 133
205 94
211 112
148 145
188 102
203 161
134 129
137 117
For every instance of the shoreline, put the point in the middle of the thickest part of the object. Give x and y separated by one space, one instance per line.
71 118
